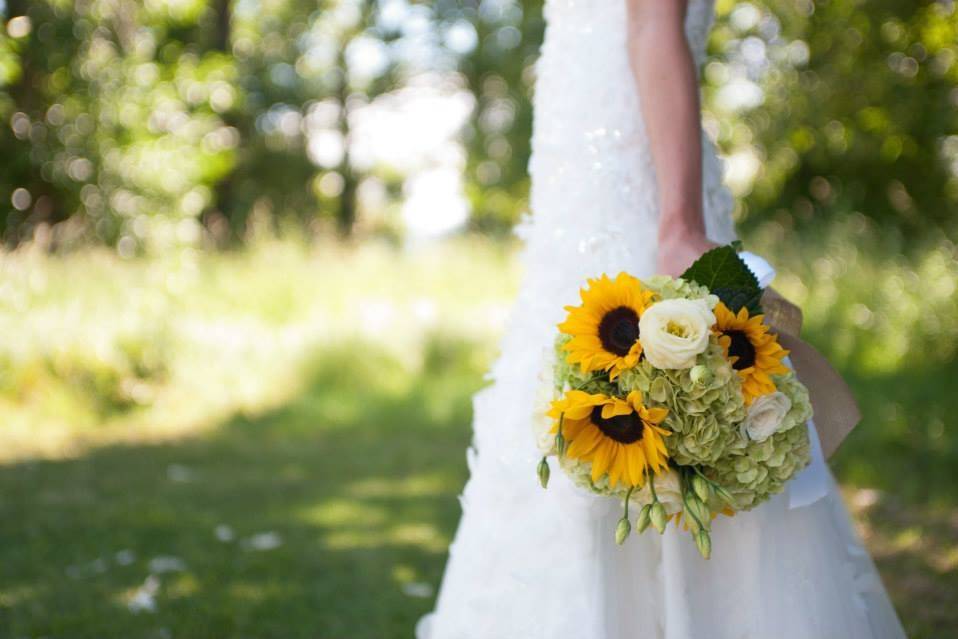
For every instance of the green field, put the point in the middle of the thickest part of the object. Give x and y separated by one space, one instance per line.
270 443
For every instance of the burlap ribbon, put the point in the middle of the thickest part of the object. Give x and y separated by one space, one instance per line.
836 411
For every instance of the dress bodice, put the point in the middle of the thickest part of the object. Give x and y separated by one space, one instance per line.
580 19
593 181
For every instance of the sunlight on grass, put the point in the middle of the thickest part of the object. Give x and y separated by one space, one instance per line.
404 487
166 346
250 593
423 536
345 512
10 597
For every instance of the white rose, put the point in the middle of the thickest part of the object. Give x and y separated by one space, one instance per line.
673 332
765 415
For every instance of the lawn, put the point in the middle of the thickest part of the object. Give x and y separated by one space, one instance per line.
325 517
270 443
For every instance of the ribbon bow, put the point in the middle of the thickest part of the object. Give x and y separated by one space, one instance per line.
836 411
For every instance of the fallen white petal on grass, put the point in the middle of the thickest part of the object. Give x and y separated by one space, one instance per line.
418 589
224 533
143 599
124 557
263 541
166 563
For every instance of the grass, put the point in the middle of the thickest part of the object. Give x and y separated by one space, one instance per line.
270 443
307 520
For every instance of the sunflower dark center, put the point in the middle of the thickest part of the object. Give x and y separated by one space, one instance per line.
624 429
741 348
619 330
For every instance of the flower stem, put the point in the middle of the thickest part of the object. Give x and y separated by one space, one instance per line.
628 496
702 475
560 439
716 487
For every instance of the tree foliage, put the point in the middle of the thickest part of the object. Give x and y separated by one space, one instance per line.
500 73
858 108
143 124
131 123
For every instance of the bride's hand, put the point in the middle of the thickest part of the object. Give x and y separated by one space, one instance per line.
677 251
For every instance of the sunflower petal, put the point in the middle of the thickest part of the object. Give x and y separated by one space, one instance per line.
615 408
583 443
600 459
636 465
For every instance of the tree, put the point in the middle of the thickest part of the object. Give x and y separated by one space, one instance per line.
114 126
499 71
858 108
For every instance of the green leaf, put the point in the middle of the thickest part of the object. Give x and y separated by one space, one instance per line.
721 267
724 273
736 298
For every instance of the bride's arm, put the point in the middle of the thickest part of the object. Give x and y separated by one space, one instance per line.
668 85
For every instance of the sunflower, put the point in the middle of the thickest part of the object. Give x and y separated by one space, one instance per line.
605 328
619 437
753 351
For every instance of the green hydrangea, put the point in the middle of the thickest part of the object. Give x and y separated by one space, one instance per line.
705 405
581 474
761 469
670 288
568 376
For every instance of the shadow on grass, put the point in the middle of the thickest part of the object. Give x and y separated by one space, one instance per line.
322 519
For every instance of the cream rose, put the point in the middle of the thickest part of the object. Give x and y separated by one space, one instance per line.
668 488
673 332
545 393
765 415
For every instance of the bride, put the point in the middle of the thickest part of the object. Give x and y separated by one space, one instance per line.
624 180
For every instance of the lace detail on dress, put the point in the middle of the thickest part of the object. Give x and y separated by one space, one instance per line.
594 194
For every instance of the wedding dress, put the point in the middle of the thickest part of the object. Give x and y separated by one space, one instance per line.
529 563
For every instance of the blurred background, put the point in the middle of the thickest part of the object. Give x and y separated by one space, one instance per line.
256 255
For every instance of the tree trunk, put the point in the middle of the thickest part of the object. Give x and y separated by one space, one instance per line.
346 213
224 201
224 15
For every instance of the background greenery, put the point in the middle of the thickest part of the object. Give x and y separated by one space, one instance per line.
234 388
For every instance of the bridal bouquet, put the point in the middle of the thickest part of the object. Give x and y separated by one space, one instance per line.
672 394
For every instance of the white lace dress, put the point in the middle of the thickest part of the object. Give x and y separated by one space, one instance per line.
529 563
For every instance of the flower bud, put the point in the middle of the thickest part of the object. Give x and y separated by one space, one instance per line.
622 530
690 521
544 472
701 487
560 444
700 374
701 511
658 517
644 518
704 543
725 495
